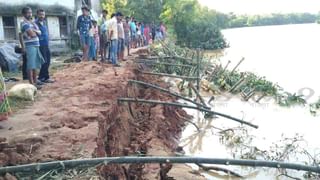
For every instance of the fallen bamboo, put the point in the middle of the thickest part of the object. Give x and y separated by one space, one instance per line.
198 69
169 75
161 63
235 68
238 84
198 94
159 57
261 97
186 106
36 167
225 68
166 91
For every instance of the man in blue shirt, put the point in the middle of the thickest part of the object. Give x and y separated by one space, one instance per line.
84 26
44 47
133 29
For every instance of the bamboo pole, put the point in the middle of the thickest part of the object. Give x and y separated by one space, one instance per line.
157 57
167 64
235 86
225 68
198 70
198 94
186 106
235 68
166 91
261 97
169 75
36 167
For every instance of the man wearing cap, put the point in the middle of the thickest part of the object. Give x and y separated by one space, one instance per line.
84 26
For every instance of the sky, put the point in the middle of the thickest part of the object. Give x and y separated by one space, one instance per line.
263 6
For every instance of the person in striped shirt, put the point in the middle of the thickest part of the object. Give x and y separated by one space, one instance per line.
30 32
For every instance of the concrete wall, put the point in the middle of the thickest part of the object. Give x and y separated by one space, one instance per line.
66 3
1 29
96 6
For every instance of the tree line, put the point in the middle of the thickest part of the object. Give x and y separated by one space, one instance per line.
194 26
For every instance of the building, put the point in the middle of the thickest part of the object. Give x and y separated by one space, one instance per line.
61 18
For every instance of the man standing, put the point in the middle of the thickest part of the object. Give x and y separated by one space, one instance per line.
84 26
121 37
103 35
133 30
126 27
113 35
153 31
44 47
30 32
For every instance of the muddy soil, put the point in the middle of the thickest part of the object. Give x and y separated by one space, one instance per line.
79 117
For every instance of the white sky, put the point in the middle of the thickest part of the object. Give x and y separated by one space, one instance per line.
263 6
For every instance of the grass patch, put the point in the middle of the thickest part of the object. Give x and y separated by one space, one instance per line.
18 103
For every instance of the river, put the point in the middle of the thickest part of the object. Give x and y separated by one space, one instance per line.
288 55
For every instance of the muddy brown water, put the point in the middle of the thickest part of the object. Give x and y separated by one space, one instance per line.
284 54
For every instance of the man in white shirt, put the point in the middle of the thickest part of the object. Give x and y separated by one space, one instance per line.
113 35
121 37
102 22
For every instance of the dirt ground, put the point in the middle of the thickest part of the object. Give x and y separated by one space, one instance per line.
78 117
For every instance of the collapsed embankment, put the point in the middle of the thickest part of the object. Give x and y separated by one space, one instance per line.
79 117
141 129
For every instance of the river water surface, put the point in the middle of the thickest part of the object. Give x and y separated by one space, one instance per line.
288 55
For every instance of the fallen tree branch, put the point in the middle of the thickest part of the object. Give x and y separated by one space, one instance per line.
215 168
186 106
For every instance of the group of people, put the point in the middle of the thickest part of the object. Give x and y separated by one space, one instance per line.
34 40
105 37
113 36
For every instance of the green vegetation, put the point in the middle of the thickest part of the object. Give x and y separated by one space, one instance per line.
192 25
315 107
233 21
217 79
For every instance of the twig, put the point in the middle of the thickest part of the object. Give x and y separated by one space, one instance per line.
215 168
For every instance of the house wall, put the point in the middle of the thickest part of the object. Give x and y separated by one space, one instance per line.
1 29
66 3
53 26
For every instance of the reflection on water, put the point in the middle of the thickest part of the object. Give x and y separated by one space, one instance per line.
284 54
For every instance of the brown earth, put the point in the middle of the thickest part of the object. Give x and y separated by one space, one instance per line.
78 117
